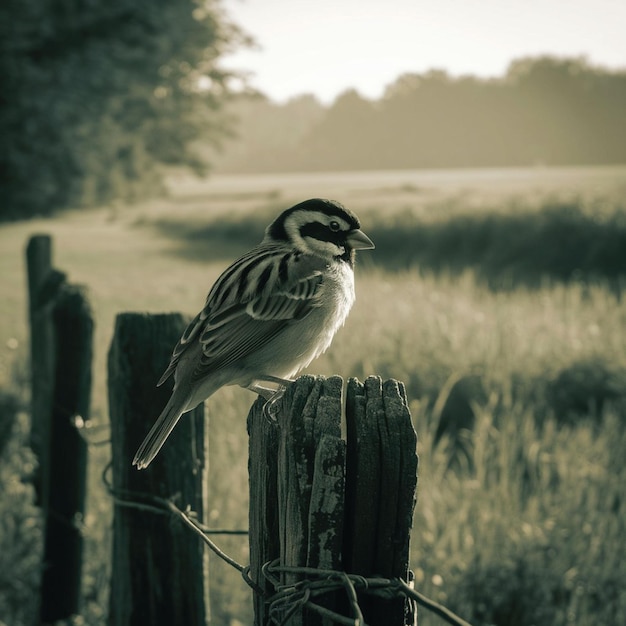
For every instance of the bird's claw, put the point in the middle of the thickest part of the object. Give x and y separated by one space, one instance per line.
270 408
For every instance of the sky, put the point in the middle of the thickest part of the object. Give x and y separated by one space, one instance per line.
324 47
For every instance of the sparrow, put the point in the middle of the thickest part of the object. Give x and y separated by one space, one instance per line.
268 315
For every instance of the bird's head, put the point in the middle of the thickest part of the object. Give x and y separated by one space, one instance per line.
322 227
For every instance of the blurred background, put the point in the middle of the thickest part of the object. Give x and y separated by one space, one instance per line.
483 146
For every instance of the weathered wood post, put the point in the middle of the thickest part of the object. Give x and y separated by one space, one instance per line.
61 327
330 498
63 545
43 282
380 492
159 569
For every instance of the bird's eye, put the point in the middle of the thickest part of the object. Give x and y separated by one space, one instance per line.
334 226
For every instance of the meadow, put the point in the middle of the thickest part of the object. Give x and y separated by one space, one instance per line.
495 295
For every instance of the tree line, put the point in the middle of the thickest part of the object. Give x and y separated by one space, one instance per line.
543 111
99 97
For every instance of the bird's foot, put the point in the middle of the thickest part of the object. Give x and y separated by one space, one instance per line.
272 395
271 406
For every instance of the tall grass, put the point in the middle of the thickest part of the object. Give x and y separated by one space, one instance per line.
536 534
506 245
520 516
20 521
564 241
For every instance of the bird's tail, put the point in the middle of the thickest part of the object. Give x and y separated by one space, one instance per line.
158 433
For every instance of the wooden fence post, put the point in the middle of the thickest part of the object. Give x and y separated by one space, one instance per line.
43 283
263 509
319 501
61 326
159 569
380 493
63 545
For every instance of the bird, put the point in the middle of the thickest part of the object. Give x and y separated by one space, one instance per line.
268 315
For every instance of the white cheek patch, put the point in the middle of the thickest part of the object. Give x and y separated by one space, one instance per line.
292 227
326 247
293 232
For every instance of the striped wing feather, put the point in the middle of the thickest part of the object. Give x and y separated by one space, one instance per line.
235 323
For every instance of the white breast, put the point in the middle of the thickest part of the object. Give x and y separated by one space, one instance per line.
336 300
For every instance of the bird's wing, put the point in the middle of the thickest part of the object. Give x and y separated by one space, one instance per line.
191 333
243 329
235 329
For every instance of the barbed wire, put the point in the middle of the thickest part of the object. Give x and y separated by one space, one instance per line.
85 426
288 598
162 506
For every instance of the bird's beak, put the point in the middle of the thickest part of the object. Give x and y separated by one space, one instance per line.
358 240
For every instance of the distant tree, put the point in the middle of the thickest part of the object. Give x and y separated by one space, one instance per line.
97 93
574 112
266 133
344 138
544 110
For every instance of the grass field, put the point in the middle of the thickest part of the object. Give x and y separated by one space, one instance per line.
496 296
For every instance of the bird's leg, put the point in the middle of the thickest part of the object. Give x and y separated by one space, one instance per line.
266 392
269 392
283 382
271 395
